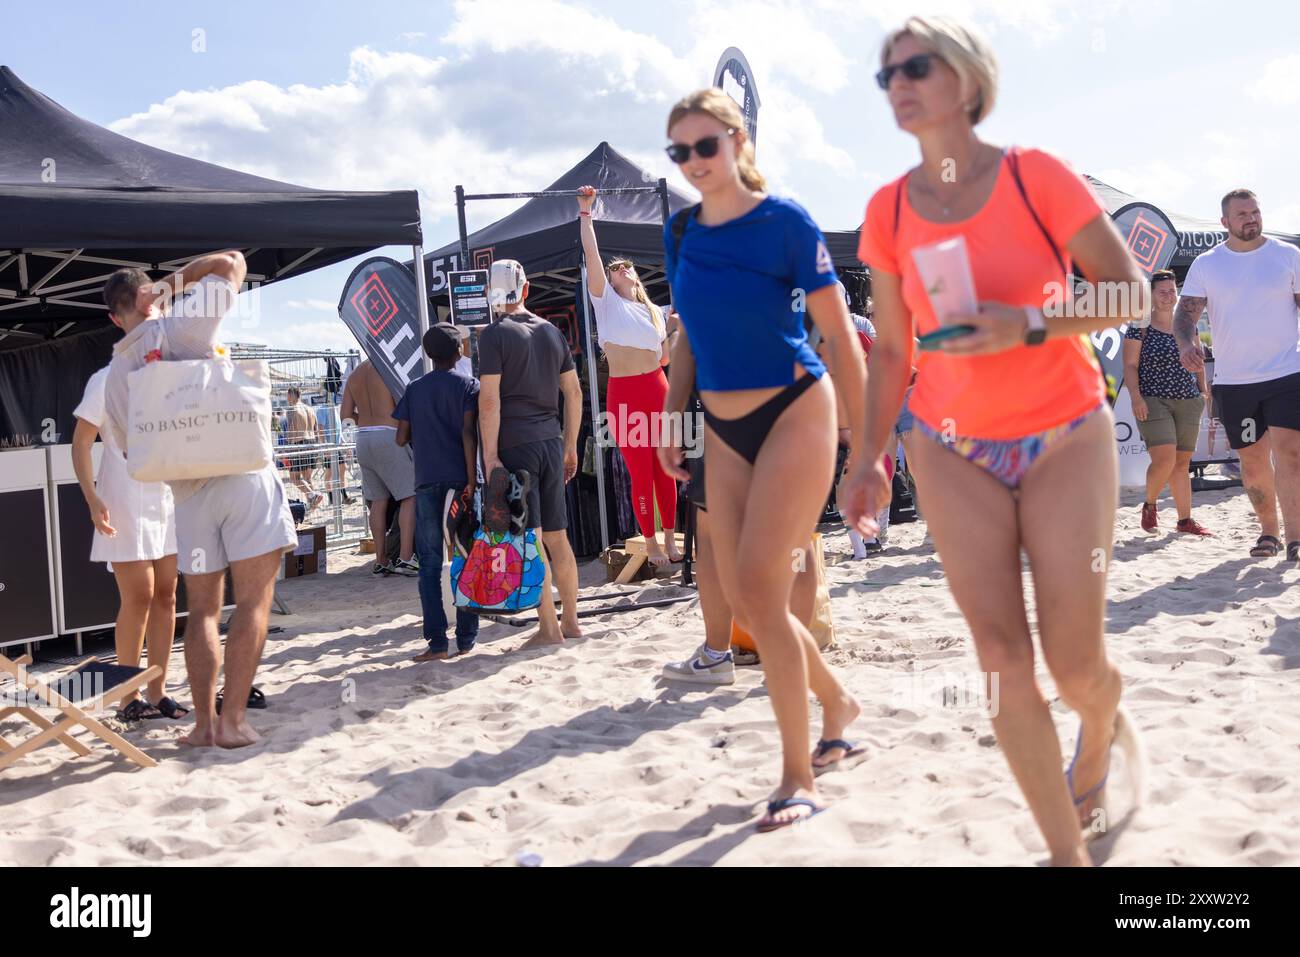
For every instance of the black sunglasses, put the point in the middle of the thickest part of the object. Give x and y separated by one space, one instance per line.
707 148
914 68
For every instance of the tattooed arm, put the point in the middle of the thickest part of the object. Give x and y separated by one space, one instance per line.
1186 316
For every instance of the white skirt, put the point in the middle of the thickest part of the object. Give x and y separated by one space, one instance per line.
142 513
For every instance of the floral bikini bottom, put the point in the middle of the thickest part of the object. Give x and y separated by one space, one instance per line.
1007 460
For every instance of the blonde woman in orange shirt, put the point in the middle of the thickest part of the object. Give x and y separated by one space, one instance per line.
1014 447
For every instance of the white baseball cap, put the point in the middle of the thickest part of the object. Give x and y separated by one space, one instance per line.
508 280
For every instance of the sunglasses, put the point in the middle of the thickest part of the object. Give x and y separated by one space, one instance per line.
619 267
914 68
707 148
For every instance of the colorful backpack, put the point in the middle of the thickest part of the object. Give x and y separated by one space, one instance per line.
494 572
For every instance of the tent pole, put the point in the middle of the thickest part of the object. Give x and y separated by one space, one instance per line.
688 539
422 293
594 392
460 221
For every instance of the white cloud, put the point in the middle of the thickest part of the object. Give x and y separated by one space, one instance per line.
1279 81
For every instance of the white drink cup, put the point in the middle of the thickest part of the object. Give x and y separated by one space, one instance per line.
945 271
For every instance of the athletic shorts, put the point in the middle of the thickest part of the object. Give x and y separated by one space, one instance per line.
1172 422
387 469
1248 410
232 518
544 462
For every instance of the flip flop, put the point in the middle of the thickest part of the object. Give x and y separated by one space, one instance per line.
774 807
496 502
850 751
1293 551
255 699
139 710
1266 546
1127 740
170 709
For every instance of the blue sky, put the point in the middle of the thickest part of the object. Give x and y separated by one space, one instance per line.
1176 102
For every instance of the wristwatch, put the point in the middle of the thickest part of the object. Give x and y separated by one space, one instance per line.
1036 334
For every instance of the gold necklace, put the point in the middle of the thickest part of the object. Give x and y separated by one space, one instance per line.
947 210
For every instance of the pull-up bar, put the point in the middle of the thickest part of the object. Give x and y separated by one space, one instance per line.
661 187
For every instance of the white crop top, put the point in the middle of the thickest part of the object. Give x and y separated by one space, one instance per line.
625 322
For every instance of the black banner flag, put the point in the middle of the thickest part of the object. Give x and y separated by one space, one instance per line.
734 77
380 304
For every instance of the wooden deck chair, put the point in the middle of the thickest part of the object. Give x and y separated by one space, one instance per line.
91 684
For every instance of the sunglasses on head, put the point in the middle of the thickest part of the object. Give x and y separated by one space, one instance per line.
914 68
707 148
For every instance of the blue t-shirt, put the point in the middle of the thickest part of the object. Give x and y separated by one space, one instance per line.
435 404
740 288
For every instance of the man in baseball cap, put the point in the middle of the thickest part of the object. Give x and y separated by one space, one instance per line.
509 285
526 363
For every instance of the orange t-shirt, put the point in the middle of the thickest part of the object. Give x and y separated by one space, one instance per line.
1025 389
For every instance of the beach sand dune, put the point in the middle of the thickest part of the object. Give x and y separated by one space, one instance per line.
584 756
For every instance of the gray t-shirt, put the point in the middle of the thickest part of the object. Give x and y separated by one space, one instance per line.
187 331
530 355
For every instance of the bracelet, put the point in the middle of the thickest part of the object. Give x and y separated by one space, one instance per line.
581 213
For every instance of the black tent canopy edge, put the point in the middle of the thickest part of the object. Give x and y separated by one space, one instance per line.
113 202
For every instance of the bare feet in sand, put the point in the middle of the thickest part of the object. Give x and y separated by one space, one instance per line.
199 738
675 554
543 639
236 736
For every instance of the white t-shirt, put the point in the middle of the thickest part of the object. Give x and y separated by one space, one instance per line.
91 408
1253 316
625 322
187 331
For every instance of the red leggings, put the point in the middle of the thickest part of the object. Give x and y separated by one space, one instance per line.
634 407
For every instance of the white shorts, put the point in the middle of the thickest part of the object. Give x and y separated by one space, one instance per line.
233 518
142 513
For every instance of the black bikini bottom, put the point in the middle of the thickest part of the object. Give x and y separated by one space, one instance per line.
748 433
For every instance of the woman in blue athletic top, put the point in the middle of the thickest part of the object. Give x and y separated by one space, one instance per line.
745 267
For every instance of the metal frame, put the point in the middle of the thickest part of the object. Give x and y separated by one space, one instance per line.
593 387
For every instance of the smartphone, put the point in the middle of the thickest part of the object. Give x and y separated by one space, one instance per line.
930 341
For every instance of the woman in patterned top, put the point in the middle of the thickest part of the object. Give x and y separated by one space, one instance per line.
1167 405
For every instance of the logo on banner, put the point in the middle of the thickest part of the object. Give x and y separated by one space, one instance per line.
1146 240
735 78
375 304
380 304
483 257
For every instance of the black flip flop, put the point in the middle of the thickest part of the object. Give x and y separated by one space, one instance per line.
1293 551
139 710
170 709
1267 546
255 699
496 502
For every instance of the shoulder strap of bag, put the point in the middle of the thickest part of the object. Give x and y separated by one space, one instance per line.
1013 163
898 206
678 225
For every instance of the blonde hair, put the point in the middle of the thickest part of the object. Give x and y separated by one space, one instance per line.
639 294
713 102
961 47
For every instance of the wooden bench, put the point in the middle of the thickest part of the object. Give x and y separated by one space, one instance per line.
635 549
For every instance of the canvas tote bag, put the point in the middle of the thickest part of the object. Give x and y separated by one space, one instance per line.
198 418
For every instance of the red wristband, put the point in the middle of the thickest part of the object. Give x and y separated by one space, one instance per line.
581 213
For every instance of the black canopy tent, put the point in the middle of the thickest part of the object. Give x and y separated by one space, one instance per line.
78 201
1195 236
543 236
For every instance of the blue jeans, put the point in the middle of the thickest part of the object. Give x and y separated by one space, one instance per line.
429 501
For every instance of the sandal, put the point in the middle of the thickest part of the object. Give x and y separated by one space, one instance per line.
850 751
139 710
774 807
496 503
1126 739
170 709
255 699
1266 546
1293 551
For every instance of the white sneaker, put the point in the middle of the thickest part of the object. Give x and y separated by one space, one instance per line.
702 670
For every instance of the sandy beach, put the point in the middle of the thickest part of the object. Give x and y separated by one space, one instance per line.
586 756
